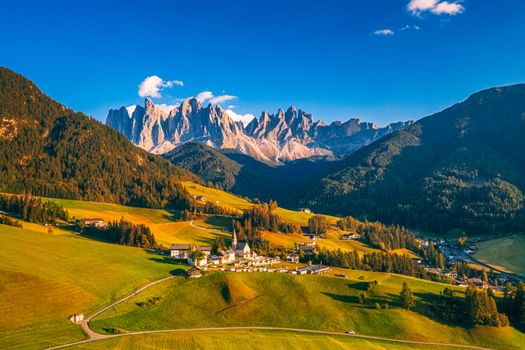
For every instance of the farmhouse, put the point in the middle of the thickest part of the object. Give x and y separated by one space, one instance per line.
228 256
292 258
312 269
75 318
203 261
181 251
350 236
95 222
200 198
194 272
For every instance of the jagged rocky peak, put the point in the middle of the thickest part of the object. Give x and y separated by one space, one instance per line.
283 136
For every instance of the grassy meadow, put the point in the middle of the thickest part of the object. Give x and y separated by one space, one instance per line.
311 302
246 339
46 277
505 254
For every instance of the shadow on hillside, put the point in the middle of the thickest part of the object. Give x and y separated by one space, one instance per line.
166 260
178 272
358 285
344 298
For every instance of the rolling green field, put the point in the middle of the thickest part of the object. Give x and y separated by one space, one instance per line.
46 277
224 199
505 254
240 339
311 302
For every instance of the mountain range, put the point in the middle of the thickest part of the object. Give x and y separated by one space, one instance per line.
273 138
462 168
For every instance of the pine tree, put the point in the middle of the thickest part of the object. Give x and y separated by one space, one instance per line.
407 297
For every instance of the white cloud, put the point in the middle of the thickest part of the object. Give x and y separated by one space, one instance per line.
204 96
221 99
417 7
167 108
244 118
410 27
449 8
153 85
231 107
384 32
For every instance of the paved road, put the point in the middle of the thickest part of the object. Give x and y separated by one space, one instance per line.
94 336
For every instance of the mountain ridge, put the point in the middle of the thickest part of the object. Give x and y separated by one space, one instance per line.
272 138
463 167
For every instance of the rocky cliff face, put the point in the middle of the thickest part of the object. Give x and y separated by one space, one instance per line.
273 138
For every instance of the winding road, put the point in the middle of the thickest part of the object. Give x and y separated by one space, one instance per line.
94 336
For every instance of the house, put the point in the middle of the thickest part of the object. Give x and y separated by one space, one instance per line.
476 282
351 236
452 274
228 256
312 269
205 249
215 259
181 251
305 210
194 272
308 250
95 222
76 318
198 263
200 198
292 258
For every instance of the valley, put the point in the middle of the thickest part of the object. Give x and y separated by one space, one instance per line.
187 222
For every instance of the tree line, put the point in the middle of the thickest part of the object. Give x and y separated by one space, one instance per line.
33 209
123 232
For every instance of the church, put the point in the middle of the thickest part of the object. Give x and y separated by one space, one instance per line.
242 249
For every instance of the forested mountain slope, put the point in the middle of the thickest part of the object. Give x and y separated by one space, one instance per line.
48 149
463 167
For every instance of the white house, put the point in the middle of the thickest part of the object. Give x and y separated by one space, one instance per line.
198 263
180 251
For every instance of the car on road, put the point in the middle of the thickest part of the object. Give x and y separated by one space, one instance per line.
350 332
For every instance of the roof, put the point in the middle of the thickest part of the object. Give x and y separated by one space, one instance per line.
203 248
93 219
194 271
241 245
183 246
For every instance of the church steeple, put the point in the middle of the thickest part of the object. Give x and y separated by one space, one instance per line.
234 240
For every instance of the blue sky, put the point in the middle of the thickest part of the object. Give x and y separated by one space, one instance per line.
381 61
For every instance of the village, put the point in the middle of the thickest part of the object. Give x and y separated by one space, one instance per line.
239 258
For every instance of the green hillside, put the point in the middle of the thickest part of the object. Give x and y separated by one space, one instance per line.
505 253
44 278
311 302
461 168
236 340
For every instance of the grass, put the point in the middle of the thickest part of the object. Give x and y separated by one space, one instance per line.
46 277
333 242
505 254
312 302
241 339
225 199
161 222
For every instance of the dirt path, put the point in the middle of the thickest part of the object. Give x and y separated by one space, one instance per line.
94 336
